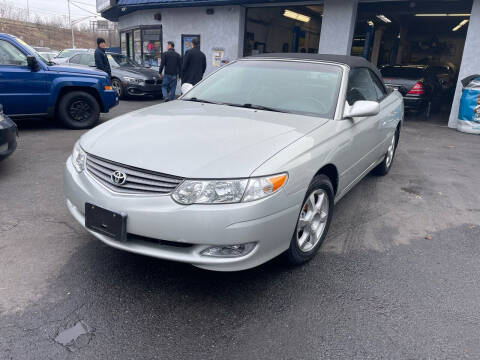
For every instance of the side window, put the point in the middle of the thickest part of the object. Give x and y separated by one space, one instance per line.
360 86
10 55
87 59
75 59
379 88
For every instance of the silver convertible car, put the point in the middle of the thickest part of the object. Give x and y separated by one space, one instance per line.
245 166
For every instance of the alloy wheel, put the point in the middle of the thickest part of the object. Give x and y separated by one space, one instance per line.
117 86
313 220
80 110
390 152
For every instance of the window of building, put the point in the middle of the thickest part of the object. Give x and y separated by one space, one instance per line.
142 44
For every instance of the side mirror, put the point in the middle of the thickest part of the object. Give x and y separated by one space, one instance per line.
32 62
186 88
362 108
92 64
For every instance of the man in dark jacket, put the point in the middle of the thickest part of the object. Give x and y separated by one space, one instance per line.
194 64
172 63
101 60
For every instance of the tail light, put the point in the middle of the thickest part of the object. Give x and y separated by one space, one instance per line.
417 89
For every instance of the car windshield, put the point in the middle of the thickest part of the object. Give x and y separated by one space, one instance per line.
402 72
118 60
297 87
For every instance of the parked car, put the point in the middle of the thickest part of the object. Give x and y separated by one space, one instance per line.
241 168
33 86
419 84
128 77
48 55
8 135
65 54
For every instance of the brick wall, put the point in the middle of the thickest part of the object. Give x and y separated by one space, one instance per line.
46 35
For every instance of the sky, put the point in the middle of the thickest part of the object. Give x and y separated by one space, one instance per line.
53 8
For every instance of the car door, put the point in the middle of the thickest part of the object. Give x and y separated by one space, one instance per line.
20 85
387 117
362 132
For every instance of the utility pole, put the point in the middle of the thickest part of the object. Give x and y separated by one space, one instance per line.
71 25
28 11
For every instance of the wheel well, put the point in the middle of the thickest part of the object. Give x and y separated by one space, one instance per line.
397 133
331 171
91 91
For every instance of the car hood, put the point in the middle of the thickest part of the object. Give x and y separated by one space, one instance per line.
75 69
195 140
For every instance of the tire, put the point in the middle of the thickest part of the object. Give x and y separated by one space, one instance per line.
118 87
304 245
78 110
384 167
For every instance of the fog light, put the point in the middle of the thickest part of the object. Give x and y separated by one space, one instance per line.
229 250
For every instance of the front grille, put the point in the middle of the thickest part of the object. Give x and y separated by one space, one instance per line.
150 82
138 181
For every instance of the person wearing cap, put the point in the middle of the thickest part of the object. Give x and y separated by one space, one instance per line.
101 60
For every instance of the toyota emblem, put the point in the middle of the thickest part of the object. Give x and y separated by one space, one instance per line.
118 177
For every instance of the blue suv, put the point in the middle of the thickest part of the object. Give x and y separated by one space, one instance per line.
31 86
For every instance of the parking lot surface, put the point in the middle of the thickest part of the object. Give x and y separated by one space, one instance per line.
396 278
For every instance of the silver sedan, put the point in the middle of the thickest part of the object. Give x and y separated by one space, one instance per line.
245 166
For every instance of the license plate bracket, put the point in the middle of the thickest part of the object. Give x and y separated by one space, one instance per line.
106 222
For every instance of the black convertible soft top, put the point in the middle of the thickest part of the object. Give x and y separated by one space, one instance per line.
351 61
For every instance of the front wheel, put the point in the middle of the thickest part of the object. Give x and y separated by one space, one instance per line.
118 87
313 221
78 110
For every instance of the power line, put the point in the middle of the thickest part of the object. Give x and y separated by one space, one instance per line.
84 3
79 7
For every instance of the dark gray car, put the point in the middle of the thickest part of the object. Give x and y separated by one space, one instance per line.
128 77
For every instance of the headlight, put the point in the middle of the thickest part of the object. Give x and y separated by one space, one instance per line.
134 80
227 191
79 157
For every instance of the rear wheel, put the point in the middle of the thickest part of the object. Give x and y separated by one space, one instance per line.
78 110
313 221
384 167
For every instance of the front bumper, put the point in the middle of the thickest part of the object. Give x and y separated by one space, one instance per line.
143 90
269 223
109 99
8 138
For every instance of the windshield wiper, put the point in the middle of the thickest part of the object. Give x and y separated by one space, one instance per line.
259 107
203 101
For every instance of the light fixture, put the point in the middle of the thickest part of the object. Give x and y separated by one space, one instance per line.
384 19
462 23
431 15
296 16
370 23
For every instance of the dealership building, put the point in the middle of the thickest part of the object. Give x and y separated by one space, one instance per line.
440 32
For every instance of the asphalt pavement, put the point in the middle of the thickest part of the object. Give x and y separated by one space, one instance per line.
397 278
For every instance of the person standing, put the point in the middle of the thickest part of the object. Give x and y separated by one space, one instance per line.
101 60
194 64
172 63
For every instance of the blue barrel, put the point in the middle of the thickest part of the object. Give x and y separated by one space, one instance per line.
469 111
